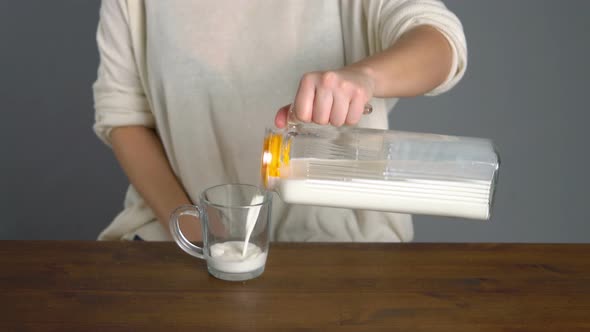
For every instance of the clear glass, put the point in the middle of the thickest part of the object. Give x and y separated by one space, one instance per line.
231 215
382 170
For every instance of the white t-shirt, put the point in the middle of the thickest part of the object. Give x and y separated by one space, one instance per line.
210 75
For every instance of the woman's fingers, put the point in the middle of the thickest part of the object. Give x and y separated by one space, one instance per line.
355 111
329 97
304 100
322 106
282 116
340 110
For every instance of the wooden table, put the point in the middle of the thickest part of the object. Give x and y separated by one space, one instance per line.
141 286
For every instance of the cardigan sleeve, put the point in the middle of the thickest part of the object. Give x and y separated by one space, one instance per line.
119 98
388 20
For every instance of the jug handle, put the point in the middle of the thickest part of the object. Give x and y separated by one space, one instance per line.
293 120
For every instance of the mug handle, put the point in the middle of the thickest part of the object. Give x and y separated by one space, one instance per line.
179 238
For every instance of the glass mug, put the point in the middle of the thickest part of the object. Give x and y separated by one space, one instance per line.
230 216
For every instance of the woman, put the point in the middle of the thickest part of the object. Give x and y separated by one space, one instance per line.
185 90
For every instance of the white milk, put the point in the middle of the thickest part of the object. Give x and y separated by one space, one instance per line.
251 218
337 187
227 257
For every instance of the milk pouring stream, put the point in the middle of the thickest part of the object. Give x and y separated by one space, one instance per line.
240 256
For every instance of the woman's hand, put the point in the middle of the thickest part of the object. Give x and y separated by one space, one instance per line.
415 64
330 97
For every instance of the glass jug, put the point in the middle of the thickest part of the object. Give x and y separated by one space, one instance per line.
381 170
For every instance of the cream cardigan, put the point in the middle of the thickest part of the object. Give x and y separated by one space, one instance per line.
209 76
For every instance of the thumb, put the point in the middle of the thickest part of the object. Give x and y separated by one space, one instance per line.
281 117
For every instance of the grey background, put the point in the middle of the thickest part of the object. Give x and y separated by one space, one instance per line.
525 88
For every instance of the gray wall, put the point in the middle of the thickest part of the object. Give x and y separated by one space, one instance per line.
525 89
57 180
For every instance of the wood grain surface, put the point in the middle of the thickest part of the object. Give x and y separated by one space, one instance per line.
148 286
